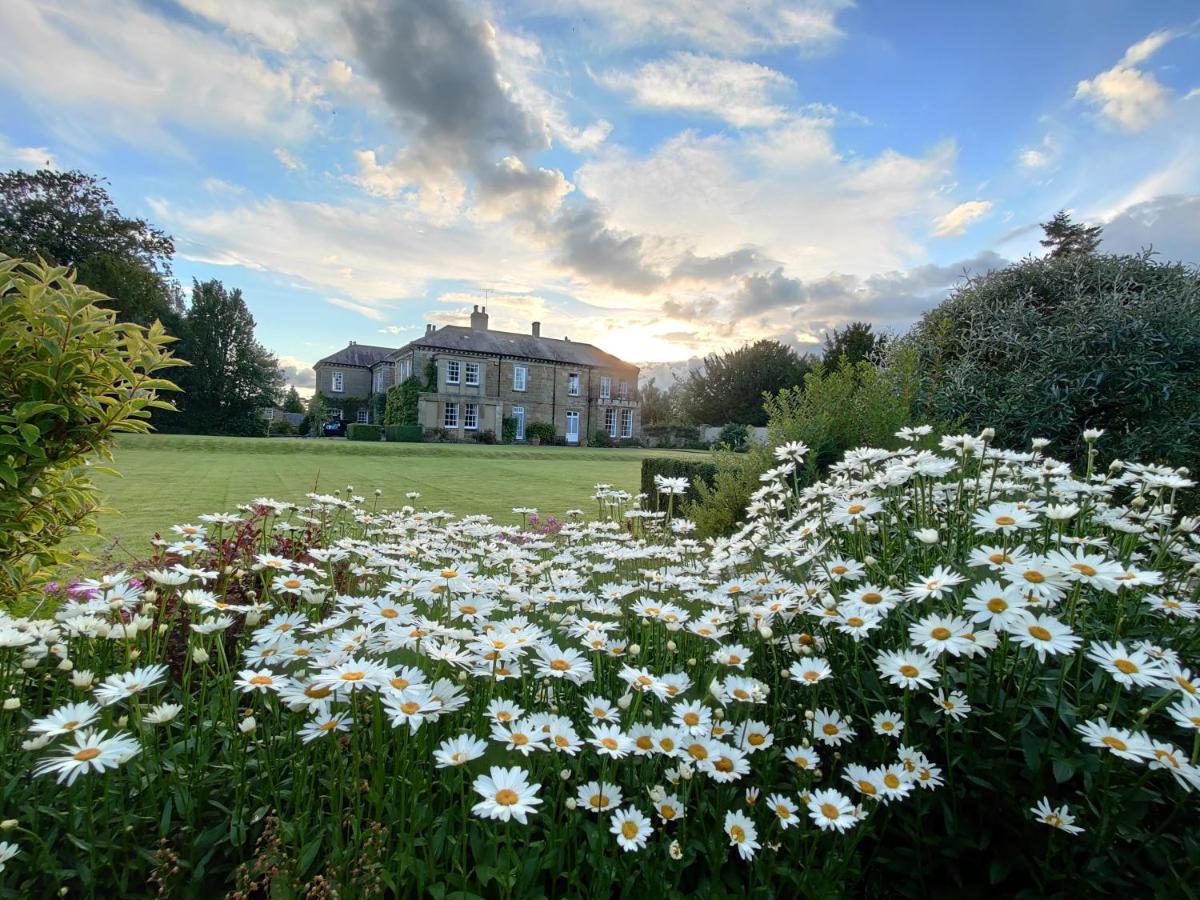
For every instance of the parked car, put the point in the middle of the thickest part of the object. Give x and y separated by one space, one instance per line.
334 428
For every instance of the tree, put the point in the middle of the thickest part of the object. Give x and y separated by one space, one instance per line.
659 406
1066 238
729 387
232 375
855 341
292 402
68 219
315 416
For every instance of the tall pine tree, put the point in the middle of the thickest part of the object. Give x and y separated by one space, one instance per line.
1066 238
232 375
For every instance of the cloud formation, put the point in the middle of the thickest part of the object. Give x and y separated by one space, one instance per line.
1125 94
962 217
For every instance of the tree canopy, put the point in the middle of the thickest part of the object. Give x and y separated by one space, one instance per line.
69 219
855 341
729 387
1065 237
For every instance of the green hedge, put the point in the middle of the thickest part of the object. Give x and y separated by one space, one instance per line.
543 431
357 432
694 471
412 434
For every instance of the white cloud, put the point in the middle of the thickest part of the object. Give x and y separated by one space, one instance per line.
289 161
1042 156
962 217
1125 94
27 158
727 26
298 372
370 312
739 92
117 69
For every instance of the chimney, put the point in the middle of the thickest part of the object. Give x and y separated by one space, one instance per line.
479 319
429 328
352 343
537 329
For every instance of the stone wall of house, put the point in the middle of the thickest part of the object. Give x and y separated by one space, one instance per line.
356 380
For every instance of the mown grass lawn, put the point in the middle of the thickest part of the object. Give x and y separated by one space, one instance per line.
169 479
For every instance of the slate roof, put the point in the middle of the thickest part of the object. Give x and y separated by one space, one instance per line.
362 355
508 343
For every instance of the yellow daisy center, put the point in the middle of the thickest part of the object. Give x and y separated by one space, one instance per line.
87 753
1039 632
1005 520
505 796
629 829
940 634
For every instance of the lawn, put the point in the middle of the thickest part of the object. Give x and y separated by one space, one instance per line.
169 479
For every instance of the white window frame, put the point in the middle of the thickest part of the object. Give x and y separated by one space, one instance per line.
363 416
573 382
467 379
520 378
340 414
622 390
627 423
405 370
572 416
610 421
449 421
519 415
605 387
471 416
453 371
337 382
380 374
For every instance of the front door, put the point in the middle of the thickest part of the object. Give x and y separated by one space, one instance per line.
519 415
572 428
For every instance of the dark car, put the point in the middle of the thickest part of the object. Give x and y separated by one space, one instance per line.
335 428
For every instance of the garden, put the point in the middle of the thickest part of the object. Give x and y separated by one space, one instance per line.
895 652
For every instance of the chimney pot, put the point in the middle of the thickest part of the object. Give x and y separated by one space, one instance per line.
537 329
479 319
429 328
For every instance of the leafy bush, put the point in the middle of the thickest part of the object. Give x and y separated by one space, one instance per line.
400 407
601 438
671 435
543 431
412 434
360 432
486 436
437 434
282 426
1051 347
508 430
836 409
697 472
735 436
71 377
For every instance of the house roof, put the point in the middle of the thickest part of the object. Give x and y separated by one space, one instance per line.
363 355
508 343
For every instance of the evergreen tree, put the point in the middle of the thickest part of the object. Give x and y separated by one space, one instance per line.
855 341
1066 238
232 376
292 402
730 386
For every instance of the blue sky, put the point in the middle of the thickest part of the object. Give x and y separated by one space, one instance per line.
663 179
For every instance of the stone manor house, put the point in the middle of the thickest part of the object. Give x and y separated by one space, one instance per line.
473 378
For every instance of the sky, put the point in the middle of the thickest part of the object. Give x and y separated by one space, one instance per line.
664 179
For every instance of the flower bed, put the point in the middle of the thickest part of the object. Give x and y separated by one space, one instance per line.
964 668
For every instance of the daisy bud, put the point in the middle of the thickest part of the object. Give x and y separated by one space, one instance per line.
162 629
870 561
674 626
647 714
37 743
685 772
675 850
12 703
691 661
718 714
378 492
808 714
837 754
987 434
122 721
624 702
199 656
135 653
1040 443
926 535
766 632
9 824
82 679
66 666
672 646
1144 711
253 618
571 803
247 725
28 662
1092 434
1103 707
635 649
1138 502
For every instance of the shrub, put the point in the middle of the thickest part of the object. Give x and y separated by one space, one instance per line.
487 436
437 434
543 431
671 435
71 377
508 430
735 436
361 432
401 405
1051 347
282 426
695 471
601 438
406 433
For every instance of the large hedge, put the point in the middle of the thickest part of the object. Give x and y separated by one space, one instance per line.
694 471
1050 347
360 432
409 433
